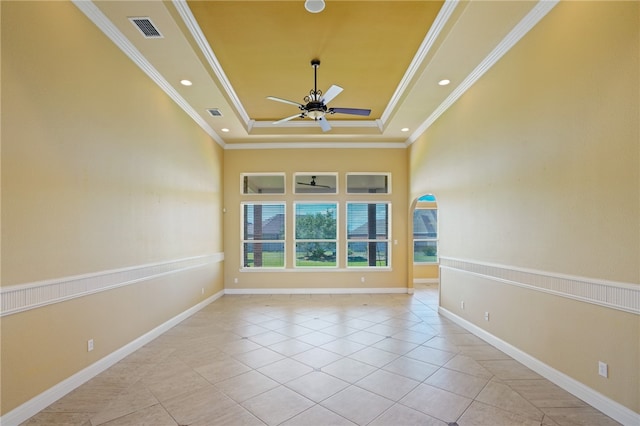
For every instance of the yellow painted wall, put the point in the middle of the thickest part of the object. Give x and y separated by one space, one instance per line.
315 160
537 166
100 170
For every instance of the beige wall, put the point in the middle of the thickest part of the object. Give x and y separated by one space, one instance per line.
100 171
315 160
537 166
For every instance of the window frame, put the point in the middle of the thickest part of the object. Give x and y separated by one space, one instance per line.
386 174
388 240
266 174
297 175
435 239
296 240
244 240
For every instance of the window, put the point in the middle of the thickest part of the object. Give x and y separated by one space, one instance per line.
316 234
368 183
315 183
425 235
368 234
263 235
262 183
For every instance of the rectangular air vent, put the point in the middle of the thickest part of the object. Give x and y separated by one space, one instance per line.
215 112
146 27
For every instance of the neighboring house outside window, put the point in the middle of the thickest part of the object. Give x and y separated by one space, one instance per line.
368 234
425 235
263 235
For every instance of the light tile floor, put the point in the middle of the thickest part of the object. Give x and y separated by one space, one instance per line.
316 360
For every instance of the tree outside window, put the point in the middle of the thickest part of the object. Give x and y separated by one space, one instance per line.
316 234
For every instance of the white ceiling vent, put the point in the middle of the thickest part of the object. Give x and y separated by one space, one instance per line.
215 112
146 27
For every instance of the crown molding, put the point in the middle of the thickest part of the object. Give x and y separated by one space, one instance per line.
434 32
200 39
316 145
538 12
110 30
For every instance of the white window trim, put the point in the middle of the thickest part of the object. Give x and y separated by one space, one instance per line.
322 194
337 240
389 185
389 239
243 241
284 183
413 254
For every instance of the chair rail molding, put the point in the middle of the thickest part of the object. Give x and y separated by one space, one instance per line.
612 294
22 297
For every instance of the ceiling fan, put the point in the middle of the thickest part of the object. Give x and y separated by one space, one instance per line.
316 103
313 183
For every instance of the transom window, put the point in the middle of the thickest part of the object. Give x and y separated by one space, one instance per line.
262 183
315 183
368 234
316 234
263 235
368 183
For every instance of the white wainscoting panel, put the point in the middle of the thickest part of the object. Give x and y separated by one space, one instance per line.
615 295
19 298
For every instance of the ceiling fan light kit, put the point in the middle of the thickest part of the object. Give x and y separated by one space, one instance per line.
316 103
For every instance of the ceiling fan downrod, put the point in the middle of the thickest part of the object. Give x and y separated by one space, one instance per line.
314 94
315 108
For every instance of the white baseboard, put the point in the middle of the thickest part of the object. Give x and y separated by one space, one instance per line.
51 395
606 405
247 291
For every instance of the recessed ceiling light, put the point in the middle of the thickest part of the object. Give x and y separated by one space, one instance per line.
444 82
224 129
404 129
186 82
314 6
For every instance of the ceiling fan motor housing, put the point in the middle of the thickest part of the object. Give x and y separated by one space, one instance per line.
316 109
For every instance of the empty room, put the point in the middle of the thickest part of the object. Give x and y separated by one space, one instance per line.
320 212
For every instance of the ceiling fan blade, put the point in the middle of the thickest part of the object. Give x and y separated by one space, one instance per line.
353 111
331 93
315 185
289 118
324 124
273 98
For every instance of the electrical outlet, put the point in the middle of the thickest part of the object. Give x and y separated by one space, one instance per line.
462 305
202 291
89 345
361 279
235 281
486 316
603 369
